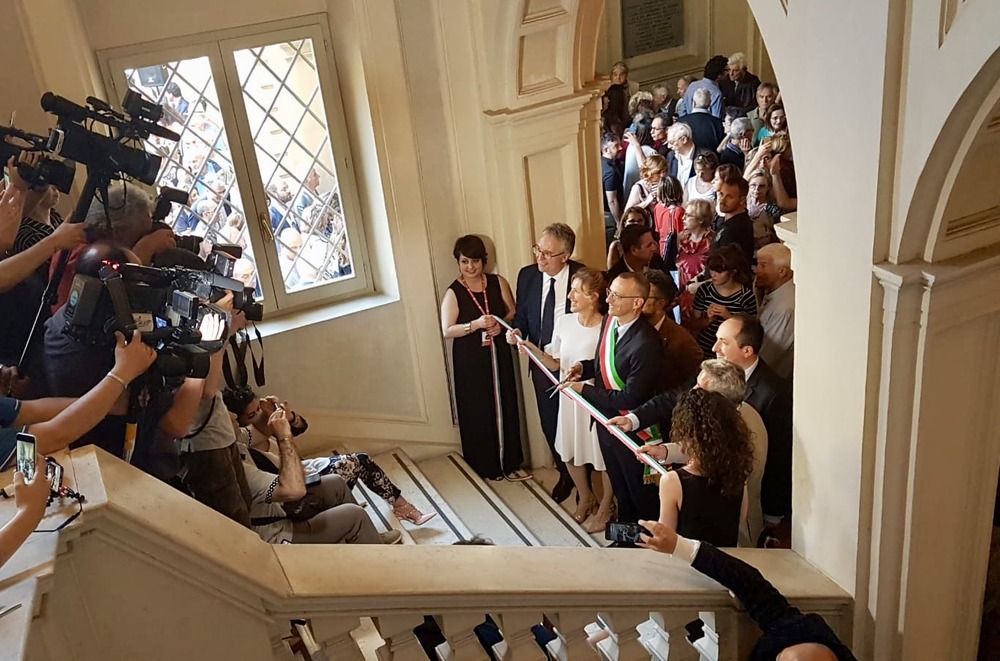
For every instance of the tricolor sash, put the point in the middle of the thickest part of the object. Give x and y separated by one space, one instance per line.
613 381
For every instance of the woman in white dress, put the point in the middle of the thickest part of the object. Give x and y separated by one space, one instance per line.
575 338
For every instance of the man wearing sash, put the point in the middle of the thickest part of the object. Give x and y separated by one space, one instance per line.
625 372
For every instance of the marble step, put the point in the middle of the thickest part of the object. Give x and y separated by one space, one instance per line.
544 517
380 512
417 487
483 511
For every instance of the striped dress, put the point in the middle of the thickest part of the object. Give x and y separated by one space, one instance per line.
742 301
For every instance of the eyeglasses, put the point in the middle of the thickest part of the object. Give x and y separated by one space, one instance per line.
538 252
615 296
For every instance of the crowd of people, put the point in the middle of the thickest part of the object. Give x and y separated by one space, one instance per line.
307 221
684 339
697 292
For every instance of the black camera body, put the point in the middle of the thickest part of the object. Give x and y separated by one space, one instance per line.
111 153
48 171
167 305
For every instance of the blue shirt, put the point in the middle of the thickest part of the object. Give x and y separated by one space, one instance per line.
9 409
687 103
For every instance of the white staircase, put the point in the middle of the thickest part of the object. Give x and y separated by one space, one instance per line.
506 513
144 561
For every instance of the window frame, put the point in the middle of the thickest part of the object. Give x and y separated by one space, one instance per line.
219 47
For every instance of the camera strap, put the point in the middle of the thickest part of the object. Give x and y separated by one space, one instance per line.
204 423
240 349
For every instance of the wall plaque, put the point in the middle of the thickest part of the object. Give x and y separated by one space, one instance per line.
651 25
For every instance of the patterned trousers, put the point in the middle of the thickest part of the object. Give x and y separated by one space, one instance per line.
358 466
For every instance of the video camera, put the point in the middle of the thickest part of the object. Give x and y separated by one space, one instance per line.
166 304
109 153
75 143
49 170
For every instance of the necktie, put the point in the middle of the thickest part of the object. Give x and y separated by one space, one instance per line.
548 314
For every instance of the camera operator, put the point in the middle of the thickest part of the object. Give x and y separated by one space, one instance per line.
130 210
75 358
31 233
284 511
58 421
39 216
211 466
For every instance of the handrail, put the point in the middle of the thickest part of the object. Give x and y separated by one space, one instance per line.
131 497
333 586
582 402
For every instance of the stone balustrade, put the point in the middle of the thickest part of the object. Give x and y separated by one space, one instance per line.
148 573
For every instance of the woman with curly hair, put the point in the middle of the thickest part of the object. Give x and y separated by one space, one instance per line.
707 499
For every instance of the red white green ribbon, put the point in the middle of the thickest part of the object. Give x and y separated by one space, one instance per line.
609 374
581 401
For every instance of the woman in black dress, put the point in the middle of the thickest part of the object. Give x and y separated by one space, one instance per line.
468 316
707 498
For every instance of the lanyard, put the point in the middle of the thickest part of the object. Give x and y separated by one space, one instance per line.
486 298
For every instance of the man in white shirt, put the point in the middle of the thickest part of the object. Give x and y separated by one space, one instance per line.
680 161
626 368
542 299
738 340
777 307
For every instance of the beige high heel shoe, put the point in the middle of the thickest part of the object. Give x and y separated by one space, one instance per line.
591 508
598 523
409 512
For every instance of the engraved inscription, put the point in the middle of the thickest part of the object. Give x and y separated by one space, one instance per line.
651 25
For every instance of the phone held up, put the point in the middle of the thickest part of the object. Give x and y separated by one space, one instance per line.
26 455
627 533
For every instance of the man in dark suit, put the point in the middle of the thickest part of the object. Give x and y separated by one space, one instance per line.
738 339
542 298
680 160
625 370
786 633
707 130
640 251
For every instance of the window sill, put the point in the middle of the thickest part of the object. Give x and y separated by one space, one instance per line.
296 319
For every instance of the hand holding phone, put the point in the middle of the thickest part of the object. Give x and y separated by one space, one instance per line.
26 455
627 533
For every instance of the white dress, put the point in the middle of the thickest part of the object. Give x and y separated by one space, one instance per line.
576 438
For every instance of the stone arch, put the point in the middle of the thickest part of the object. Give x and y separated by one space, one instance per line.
932 228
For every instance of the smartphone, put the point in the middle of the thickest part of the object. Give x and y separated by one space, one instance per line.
26 455
625 532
